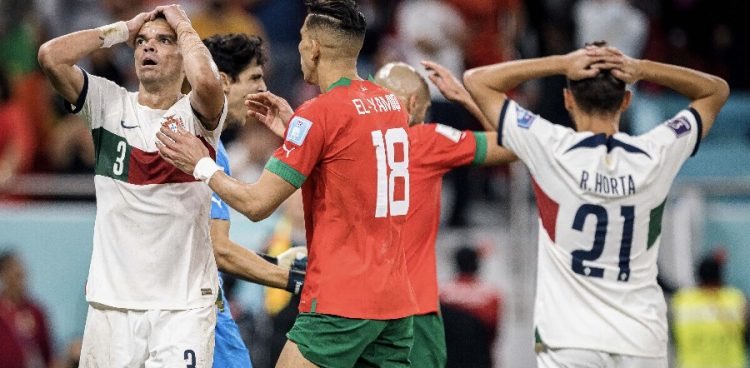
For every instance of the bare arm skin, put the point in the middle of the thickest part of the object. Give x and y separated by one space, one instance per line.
234 259
58 56
200 70
489 84
707 92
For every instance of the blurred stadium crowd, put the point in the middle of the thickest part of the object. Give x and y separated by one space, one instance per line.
38 136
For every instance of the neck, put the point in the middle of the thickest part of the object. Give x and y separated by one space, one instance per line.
158 97
330 72
598 124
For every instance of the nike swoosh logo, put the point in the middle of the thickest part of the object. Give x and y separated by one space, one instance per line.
122 124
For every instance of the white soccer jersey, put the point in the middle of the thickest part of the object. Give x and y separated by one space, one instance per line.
600 205
151 237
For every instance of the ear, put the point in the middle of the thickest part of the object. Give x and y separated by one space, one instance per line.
626 101
315 51
225 82
570 103
412 105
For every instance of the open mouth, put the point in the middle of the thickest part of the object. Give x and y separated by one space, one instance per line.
148 61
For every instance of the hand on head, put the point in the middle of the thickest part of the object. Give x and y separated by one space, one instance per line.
590 60
174 14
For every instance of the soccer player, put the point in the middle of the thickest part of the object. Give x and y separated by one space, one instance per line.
153 282
435 149
601 196
350 149
240 59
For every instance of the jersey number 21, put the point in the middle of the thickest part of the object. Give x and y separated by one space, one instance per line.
389 170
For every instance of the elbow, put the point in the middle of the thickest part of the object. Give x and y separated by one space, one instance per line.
45 56
255 214
222 253
722 89
470 79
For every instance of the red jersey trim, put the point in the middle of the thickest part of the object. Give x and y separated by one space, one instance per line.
547 210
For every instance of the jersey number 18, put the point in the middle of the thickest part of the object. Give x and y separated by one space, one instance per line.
389 170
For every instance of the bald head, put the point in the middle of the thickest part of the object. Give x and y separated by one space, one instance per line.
409 86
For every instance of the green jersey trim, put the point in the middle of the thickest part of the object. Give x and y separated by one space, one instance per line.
286 172
343 82
654 224
480 153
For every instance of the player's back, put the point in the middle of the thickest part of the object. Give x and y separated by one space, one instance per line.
600 203
354 143
434 150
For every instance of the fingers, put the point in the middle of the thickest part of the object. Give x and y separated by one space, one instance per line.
173 135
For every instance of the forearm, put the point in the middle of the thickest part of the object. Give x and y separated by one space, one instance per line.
200 70
688 82
241 196
506 76
233 259
58 57
70 48
476 112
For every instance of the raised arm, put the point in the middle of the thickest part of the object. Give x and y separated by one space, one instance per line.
455 92
488 85
58 56
707 92
201 72
256 201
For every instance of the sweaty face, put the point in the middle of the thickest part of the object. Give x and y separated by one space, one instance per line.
157 56
248 81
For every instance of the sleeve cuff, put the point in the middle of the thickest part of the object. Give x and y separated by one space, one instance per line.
699 123
286 172
480 153
500 122
74 109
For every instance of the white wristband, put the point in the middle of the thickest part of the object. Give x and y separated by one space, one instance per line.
205 169
114 33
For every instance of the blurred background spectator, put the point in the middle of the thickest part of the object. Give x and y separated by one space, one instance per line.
24 333
472 311
709 320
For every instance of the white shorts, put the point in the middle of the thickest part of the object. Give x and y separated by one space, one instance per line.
579 358
123 338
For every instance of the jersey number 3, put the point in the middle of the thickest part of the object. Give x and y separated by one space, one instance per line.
389 170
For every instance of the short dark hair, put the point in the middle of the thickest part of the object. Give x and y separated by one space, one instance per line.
467 260
234 52
342 16
602 93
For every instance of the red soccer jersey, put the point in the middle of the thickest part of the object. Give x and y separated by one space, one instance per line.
349 146
435 149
